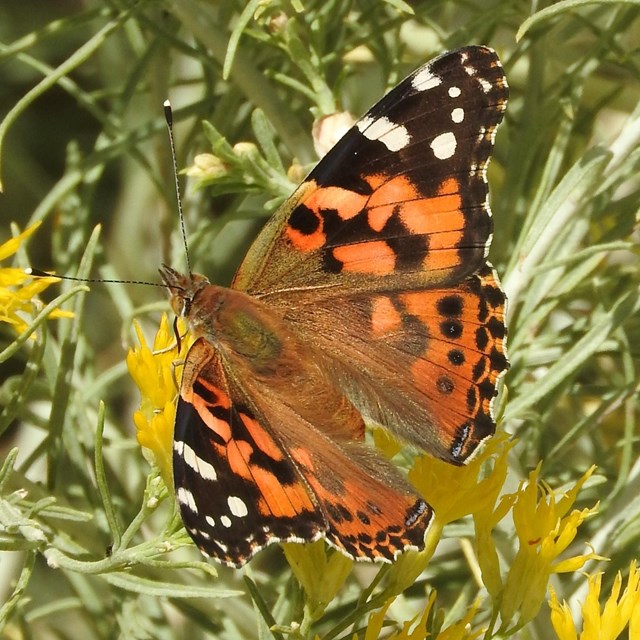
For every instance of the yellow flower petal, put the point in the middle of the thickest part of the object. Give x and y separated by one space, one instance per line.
376 620
561 619
9 247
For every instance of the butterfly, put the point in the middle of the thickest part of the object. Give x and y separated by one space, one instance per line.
366 297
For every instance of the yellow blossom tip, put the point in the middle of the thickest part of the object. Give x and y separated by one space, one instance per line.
18 294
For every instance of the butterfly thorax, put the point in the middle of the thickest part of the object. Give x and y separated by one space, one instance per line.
237 324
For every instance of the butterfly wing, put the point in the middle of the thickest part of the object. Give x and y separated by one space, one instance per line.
249 470
400 202
424 363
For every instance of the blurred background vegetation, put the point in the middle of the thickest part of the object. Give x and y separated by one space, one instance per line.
83 143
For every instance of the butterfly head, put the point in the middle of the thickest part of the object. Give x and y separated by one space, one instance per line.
183 289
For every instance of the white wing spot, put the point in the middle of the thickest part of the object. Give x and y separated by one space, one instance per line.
210 521
444 145
223 547
425 80
226 521
185 497
454 92
457 115
205 535
204 469
485 84
393 136
363 123
237 506
178 446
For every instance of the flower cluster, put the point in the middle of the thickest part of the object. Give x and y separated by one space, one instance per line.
619 610
19 290
544 525
417 627
155 372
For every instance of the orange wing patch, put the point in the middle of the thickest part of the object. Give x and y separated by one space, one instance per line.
463 357
385 318
347 203
306 229
359 232
437 214
277 499
374 257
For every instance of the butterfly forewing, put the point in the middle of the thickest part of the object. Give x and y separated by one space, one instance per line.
401 200
236 487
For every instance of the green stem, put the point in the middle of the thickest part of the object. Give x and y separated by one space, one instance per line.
103 486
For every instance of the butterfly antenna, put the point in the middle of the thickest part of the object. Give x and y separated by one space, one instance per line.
38 273
168 116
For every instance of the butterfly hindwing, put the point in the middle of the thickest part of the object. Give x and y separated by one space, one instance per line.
423 363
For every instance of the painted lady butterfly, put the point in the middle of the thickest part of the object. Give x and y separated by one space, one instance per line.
367 295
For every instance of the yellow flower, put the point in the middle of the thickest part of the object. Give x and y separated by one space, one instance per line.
416 628
15 296
453 492
619 611
321 571
155 373
545 529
